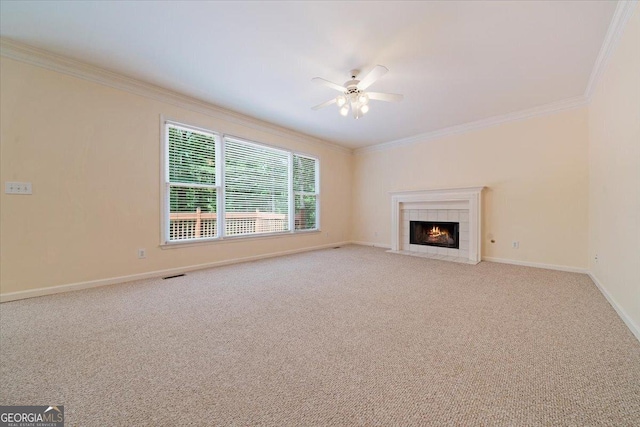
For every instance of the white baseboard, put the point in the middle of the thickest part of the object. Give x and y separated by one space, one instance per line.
31 293
623 314
375 245
536 265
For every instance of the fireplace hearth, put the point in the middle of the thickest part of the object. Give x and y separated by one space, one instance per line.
434 233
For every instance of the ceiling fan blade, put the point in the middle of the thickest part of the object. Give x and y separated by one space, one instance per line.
324 104
389 97
330 84
377 72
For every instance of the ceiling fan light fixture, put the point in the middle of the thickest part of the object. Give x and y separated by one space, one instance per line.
353 98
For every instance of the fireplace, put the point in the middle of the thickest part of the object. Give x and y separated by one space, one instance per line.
449 205
434 233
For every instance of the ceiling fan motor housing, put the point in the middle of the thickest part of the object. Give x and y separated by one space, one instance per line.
352 86
351 89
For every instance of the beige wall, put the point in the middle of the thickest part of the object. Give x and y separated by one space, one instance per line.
566 186
535 171
92 154
614 178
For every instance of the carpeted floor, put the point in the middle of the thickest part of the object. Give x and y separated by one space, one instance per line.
339 337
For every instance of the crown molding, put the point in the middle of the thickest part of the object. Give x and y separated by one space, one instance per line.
623 12
42 58
45 59
542 110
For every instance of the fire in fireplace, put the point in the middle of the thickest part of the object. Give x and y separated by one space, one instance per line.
430 233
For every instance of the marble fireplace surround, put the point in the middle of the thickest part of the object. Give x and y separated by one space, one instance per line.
439 204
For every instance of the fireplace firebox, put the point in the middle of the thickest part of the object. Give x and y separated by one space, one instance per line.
432 233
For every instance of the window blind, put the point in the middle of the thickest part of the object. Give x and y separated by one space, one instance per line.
305 192
260 189
256 188
192 186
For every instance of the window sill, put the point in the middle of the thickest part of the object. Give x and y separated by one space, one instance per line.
231 239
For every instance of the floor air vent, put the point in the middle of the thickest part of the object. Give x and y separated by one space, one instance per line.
172 277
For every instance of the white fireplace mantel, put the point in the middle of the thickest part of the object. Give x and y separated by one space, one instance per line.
451 198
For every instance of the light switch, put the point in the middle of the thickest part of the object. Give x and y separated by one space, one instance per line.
17 187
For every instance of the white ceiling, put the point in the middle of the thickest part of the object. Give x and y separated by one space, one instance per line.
455 62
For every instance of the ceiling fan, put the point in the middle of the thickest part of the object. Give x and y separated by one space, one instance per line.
353 97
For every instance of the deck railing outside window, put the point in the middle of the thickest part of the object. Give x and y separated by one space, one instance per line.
196 225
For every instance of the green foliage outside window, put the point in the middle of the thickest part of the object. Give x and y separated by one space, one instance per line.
256 178
192 160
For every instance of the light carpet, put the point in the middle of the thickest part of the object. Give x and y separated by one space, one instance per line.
340 337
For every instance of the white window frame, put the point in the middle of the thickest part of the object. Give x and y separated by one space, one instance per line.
165 186
290 183
166 183
317 193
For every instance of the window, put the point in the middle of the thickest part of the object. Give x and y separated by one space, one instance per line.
260 189
305 192
256 185
192 184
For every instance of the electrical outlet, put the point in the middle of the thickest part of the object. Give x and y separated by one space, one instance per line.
17 187
515 245
142 253
596 258
375 234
